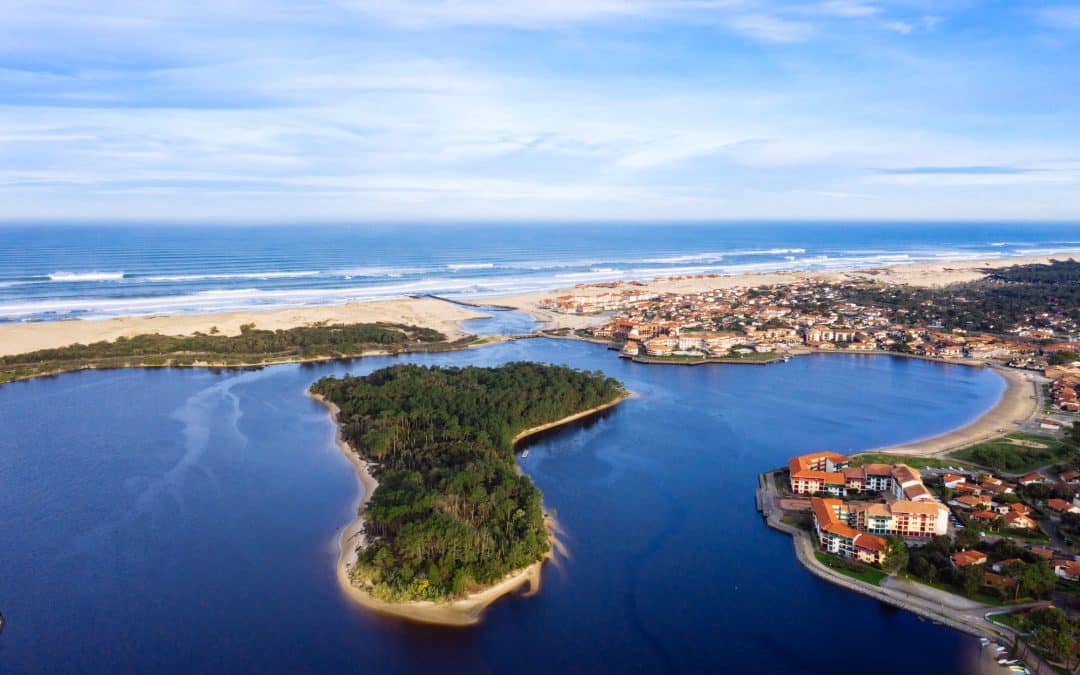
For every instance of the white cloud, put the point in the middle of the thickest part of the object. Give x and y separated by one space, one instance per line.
1062 16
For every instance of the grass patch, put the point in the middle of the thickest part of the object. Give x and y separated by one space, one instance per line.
781 482
1013 620
802 522
1009 454
981 596
914 462
848 568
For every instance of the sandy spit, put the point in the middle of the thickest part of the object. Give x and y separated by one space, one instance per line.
424 312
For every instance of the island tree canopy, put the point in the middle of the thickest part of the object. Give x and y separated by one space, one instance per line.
451 512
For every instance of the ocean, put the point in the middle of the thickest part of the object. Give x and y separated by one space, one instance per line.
185 521
63 271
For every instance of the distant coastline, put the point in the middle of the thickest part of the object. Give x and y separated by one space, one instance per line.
428 312
463 611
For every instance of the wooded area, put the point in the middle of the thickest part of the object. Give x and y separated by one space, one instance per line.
451 513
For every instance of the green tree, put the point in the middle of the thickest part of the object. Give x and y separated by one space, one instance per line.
1037 579
971 579
896 554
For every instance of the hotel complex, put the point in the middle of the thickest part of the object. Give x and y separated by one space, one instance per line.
902 505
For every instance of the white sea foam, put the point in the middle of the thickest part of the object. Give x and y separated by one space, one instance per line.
1045 251
231 275
459 267
86 276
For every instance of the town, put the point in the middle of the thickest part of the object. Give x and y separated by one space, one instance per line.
762 324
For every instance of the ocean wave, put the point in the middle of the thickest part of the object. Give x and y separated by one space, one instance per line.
460 267
1045 251
231 275
86 276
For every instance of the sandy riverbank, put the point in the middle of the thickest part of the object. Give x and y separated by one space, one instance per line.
423 312
1018 404
464 611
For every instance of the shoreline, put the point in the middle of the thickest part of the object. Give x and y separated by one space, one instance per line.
460 612
1017 405
444 314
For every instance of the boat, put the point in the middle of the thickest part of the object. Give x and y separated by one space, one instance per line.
524 454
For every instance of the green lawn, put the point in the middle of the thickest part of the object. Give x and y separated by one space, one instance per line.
914 462
1012 620
867 574
1003 454
981 596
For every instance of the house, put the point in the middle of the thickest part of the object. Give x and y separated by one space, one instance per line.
1066 569
1000 582
952 480
1031 478
1042 552
1069 476
903 477
1018 520
985 517
962 559
972 501
1001 565
1062 506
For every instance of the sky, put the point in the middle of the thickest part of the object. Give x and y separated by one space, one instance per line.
245 110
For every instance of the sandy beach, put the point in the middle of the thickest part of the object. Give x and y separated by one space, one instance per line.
913 274
424 312
445 316
463 611
1018 403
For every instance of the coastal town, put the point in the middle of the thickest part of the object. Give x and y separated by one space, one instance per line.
982 535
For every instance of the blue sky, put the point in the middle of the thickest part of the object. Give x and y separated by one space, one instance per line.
561 109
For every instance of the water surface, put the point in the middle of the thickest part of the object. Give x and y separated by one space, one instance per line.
184 520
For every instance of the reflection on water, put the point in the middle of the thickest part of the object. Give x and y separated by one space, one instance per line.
183 520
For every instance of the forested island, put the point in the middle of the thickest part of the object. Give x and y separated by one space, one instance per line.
251 347
451 513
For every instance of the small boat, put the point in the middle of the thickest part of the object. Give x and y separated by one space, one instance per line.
524 454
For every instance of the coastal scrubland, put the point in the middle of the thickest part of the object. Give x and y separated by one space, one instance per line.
1004 297
1018 453
251 347
451 513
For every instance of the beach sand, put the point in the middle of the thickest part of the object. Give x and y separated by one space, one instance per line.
913 274
444 316
424 312
464 611
1018 404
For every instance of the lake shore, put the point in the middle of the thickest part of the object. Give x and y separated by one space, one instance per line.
1018 404
465 611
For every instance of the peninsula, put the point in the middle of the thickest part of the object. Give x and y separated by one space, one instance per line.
451 524
249 347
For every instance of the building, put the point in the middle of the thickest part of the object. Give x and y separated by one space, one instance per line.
903 518
836 536
1068 570
962 559
1062 506
819 472
952 480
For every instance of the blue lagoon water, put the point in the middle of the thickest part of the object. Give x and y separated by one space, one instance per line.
61 271
185 521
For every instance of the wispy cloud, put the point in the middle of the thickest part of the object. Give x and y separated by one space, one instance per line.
1060 16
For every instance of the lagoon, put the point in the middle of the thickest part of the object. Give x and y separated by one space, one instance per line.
185 521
